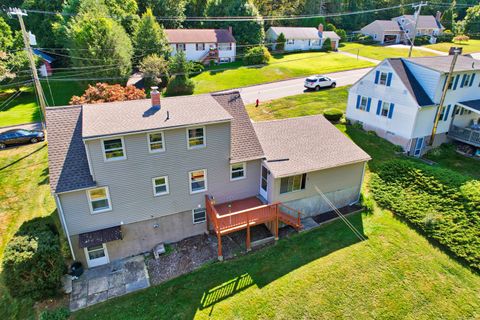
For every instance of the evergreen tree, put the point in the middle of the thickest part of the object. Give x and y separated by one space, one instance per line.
280 45
172 9
150 38
6 37
95 39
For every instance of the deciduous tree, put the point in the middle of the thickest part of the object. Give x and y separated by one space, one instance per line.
154 69
104 92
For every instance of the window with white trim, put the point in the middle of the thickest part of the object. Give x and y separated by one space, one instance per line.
385 109
113 149
200 46
237 171
225 46
180 47
160 186
199 215
363 104
196 137
290 41
198 181
293 183
383 78
156 142
99 200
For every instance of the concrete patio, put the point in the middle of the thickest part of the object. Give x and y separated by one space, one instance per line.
109 281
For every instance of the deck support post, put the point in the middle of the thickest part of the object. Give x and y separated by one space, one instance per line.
220 256
248 234
276 222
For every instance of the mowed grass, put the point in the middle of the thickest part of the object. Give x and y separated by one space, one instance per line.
381 52
24 195
327 273
24 108
470 46
279 68
308 103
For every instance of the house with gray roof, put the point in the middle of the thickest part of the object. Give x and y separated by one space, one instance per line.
127 176
402 28
399 100
302 39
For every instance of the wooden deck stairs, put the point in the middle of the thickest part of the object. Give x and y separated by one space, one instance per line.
243 214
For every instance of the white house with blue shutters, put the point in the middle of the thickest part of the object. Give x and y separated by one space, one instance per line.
400 97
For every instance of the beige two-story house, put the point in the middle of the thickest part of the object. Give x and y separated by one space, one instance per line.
129 175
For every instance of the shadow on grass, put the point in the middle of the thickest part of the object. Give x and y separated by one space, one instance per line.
202 289
22 158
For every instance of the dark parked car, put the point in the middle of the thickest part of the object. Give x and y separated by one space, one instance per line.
20 136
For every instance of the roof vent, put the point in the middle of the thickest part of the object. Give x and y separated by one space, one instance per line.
155 95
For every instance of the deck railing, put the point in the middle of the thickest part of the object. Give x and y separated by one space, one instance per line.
465 134
293 213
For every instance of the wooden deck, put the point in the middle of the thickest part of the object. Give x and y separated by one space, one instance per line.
236 215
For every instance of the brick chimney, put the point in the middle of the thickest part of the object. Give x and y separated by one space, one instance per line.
230 29
438 16
155 95
320 27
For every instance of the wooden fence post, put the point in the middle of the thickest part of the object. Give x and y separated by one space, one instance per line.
248 232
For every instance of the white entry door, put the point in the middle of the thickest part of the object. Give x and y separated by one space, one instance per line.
264 183
97 255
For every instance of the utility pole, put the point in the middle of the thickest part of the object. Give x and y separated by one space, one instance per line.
26 40
456 52
417 14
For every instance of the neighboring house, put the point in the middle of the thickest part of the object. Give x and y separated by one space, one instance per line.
402 28
129 175
45 68
427 26
400 97
383 31
203 45
302 38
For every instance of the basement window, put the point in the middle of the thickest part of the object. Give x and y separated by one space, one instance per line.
199 215
293 183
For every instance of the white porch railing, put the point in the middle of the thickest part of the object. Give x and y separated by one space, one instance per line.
465 135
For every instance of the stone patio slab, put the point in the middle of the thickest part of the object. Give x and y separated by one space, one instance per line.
137 285
97 285
97 298
116 291
116 279
79 289
76 304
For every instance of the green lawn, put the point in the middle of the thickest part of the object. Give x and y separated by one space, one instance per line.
300 105
24 108
468 47
380 52
24 195
279 68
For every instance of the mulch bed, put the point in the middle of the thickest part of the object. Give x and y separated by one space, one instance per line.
323 217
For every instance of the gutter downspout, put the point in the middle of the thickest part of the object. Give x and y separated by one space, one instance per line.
64 224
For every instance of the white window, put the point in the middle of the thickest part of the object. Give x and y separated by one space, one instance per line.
180 47
156 142
292 183
160 186
96 255
363 103
199 215
113 149
385 109
238 171
198 181
196 137
383 78
200 46
224 60
224 46
99 200
290 41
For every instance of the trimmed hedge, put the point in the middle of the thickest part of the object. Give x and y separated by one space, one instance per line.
32 263
257 55
442 203
333 114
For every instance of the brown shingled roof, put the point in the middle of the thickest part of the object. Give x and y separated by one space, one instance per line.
199 35
67 158
244 142
305 144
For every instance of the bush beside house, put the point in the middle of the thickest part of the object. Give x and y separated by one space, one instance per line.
33 264
440 202
257 55
333 114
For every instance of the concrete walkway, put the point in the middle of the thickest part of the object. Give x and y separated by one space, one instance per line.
353 55
404 46
105 282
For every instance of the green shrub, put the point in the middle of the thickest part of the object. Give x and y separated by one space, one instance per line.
257 55
446 36
57 314
327 45
32 262
179 85
440 202
421 40
196 67
280 46
333 114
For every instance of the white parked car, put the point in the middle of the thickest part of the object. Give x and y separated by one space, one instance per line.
318 81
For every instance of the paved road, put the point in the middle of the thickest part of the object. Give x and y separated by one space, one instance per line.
27 126
270 91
